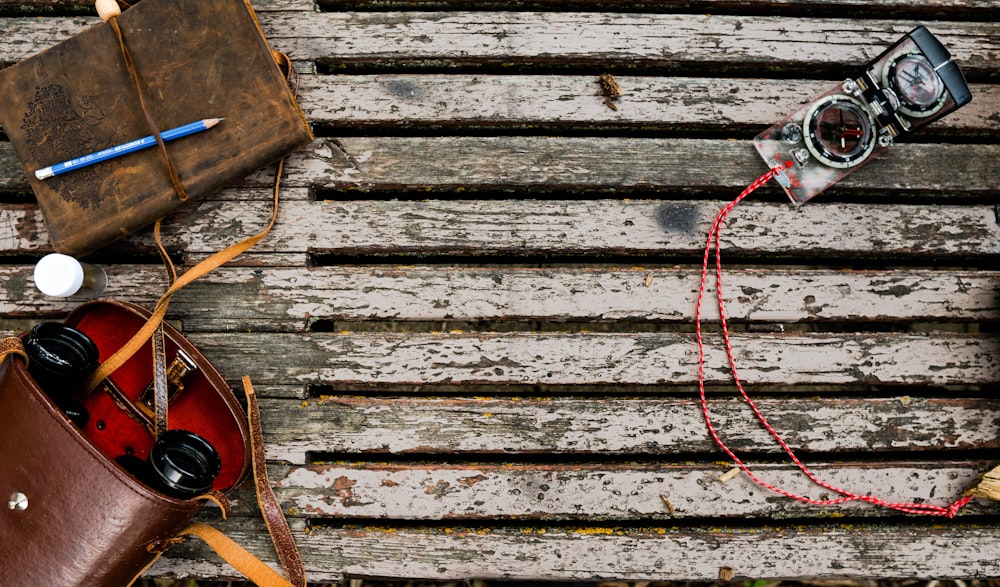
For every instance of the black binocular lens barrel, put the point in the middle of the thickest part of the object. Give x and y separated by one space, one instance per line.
184 463
60 359
180 464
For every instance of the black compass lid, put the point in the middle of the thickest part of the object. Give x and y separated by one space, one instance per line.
940 58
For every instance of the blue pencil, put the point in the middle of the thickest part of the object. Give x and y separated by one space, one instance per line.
129 147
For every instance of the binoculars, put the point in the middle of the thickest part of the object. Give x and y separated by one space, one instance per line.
181 464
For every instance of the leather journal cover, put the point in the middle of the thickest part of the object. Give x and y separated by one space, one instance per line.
195 59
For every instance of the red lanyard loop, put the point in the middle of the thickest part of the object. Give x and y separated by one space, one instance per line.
715 235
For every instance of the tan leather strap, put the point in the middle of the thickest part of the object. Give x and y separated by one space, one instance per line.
234 554
270 508
168 263
112 363
12 346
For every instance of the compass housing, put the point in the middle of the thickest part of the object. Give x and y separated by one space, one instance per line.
839 131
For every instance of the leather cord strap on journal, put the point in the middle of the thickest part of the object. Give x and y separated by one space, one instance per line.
133 73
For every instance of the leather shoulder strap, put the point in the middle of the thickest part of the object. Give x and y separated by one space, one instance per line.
274 517
12 346
234 554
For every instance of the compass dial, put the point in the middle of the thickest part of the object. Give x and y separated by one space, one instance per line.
916 84
839 131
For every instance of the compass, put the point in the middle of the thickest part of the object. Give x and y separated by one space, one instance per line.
911 84
839 131
920 90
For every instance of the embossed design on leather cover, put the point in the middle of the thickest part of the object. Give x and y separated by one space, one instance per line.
75 134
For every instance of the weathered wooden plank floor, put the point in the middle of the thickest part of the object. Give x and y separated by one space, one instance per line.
472 327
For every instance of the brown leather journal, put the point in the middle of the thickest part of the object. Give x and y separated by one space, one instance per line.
194 59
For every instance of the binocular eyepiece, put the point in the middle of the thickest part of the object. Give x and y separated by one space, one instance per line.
181 464
60 359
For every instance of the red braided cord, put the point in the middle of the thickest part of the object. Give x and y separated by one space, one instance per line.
715 234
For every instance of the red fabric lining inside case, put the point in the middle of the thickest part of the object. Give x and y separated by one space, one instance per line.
199 408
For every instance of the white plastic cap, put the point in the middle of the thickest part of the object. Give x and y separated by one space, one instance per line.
58 275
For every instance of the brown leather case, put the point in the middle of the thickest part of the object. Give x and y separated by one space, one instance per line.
87 522
196 59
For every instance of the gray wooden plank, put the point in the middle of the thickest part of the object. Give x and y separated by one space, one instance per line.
652 426
590 552
929 6
292 298
570 228
25 36
457 102
521 166
603 359
575 227
663 40
934 7
586 39
496 359
650 166
642 493
42 6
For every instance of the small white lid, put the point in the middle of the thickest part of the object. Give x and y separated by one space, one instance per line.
58 275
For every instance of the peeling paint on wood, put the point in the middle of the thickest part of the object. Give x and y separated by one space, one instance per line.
615 493
582 358
621 426
282 298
